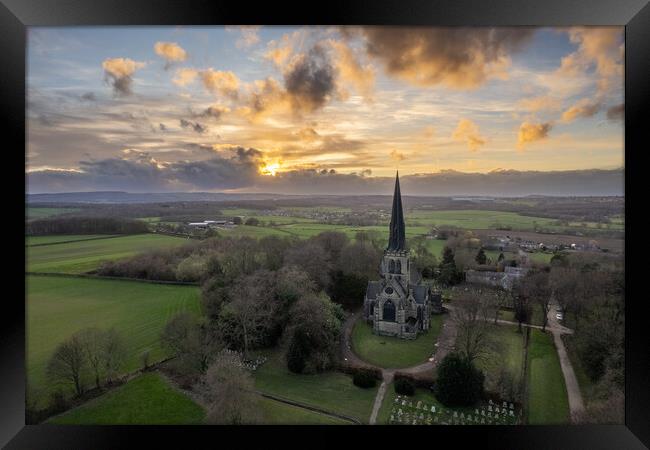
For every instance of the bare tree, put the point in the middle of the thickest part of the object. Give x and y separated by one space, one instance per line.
114 354
535 286
313 259
230 392
67 364
93 344
252 307
522 305
468 313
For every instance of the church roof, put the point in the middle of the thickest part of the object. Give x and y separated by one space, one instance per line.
419 292
374 288
397 238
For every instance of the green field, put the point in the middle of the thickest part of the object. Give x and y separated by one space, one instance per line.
331 391
390 352
59 238
278 413
42 212
83 256
506 351
57 307
547 396
145 400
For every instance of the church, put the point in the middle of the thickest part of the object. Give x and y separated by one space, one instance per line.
398 304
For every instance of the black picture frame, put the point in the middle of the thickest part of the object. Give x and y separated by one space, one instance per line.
16 15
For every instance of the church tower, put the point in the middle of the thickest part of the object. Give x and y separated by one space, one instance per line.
395 263
397 304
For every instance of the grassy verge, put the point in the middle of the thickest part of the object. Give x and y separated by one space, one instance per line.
145 400
547 396
331 391
393 352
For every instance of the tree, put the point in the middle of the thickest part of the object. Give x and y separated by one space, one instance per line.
535 286
332 242
312 258
313 334
480 256
93 343
230 392
459 383
67 364
448 273
191 341
252 221
236 220
470 319
114 353
522 305
248 317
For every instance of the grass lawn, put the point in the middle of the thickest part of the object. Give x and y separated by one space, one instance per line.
145 400
507 352
391 352
547 396
83 256
477 219
59 238
444 415
332 391
278 413
57 307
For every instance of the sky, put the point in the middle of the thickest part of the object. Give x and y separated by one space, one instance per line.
318 109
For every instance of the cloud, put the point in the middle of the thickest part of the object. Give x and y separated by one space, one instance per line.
249 35
224 83
396 155
214 112
467 131
351 71
197 127
429 131
185 76
171 52
600 48
616 112
138 171
88 96
459 58
119 72
310 80
541 103
531 132
583 108
264 97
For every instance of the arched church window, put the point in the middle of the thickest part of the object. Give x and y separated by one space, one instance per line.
398 267
420 313
372 309
391 266
389 311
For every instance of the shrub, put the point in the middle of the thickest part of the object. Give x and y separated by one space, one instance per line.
364 378
459 383
404 386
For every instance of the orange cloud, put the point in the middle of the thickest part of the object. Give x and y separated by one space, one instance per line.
170 51
583 108
542 103
119 72
185 76
220 82
397 156
459 58
468 132
531 132
350 69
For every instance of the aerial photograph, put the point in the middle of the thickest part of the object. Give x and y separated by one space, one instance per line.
324 225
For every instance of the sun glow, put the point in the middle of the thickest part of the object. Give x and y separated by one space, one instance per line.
270 169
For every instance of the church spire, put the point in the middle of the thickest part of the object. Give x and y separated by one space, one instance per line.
397 239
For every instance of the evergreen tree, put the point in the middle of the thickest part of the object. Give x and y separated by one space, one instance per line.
480 257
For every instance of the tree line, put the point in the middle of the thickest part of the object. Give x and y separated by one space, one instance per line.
85 225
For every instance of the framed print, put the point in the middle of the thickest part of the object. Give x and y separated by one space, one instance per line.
406 217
